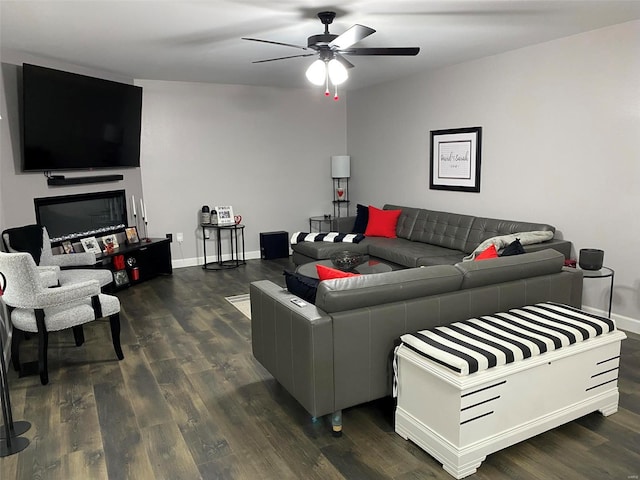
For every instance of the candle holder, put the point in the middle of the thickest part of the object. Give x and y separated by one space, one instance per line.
146 236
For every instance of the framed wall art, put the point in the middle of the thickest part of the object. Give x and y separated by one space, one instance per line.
455 159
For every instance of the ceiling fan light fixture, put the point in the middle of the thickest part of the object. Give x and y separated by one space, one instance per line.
317 72
337 72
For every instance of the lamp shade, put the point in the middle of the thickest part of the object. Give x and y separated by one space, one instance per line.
337 73
340 166
317 72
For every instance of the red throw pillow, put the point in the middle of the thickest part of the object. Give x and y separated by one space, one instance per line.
489 252
327 273
382 223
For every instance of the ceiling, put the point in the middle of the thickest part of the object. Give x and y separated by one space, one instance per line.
200 41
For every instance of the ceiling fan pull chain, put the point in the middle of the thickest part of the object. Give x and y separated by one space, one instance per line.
326 81
336 97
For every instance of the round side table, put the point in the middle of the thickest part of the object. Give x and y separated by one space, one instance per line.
604 272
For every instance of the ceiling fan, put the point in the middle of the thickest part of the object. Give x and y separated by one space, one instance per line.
330 49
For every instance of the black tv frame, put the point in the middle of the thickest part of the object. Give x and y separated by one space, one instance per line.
99 122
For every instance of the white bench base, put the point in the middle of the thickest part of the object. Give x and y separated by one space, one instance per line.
459 420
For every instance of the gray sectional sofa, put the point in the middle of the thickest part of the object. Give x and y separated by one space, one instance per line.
335 354
427 237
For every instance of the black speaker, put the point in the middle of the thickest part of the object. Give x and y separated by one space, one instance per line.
274 245
591 258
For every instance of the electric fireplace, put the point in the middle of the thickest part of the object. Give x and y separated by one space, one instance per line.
69 217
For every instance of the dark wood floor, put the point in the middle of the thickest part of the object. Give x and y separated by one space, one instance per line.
189 401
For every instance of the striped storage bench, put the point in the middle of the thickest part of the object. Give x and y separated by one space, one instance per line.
471 388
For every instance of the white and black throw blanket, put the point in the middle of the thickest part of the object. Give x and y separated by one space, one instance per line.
333 237
480 343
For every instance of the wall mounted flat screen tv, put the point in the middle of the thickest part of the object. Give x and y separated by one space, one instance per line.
73 121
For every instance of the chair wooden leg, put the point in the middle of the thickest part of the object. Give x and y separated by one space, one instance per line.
114 321
43 343
78 335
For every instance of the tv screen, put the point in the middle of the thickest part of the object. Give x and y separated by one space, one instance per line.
74 216
72 121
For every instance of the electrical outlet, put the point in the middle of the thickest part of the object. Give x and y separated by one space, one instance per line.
179 237
170 237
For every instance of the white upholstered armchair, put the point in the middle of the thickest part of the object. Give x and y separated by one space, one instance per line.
35 240
37 309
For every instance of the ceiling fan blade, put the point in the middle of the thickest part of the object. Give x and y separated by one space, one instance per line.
353 35
284 58
274 43
344 61
382 51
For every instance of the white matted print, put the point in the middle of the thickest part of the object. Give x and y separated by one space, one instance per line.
455 159
225 215
90 244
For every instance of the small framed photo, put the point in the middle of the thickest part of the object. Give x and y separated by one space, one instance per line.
67 247
90 244
132 235
120 278
225 215
110 240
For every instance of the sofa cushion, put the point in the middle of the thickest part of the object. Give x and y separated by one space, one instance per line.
487 253
408 253
362 219
379 288
443 229
324 250
382 223
514 248
451 257
507 269
406 221
301 285
328 273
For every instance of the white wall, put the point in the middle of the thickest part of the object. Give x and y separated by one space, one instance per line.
18 189
561 123
264 151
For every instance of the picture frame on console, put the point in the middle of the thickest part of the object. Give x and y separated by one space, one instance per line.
90 244
225 215
120 278
455 159
67 247
110 239
132 235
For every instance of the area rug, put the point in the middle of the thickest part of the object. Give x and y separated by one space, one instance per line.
242 303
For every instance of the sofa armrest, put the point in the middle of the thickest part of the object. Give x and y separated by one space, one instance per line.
562 246
294 344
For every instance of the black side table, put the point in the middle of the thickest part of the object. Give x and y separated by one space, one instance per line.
604 272
235 260
320 221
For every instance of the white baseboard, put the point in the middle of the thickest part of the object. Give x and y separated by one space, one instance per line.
198 261
622 322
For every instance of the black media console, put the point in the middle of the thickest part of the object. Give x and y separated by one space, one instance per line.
142 261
